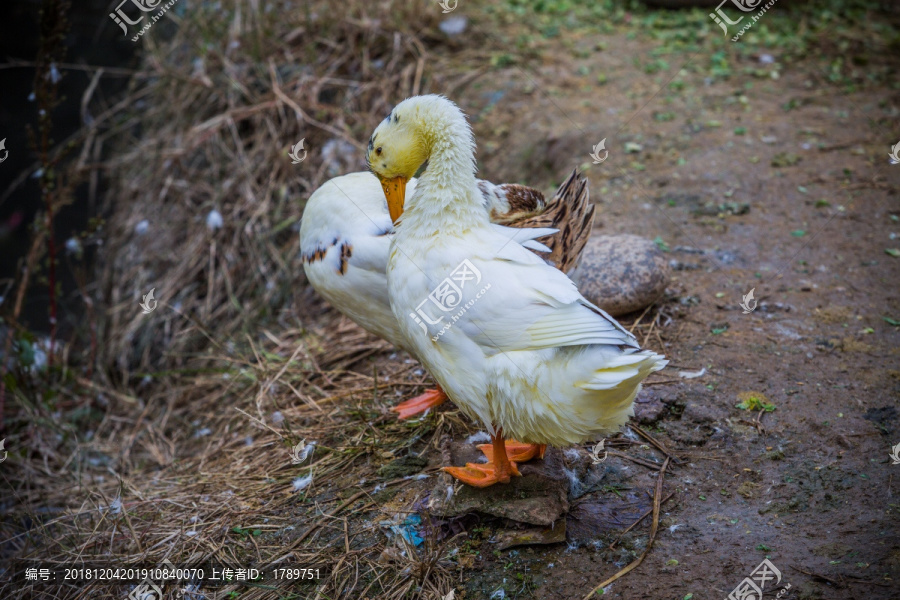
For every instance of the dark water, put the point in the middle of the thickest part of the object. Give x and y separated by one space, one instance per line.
94 40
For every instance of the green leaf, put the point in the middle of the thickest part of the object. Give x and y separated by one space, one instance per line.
798 233
754 401
891 321
661 244
893 252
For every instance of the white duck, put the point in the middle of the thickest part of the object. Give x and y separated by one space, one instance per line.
509 338
346 231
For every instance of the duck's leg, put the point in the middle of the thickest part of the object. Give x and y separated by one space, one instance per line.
499 470
516 451
419 404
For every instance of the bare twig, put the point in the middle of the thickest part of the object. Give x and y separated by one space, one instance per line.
659 445
636 523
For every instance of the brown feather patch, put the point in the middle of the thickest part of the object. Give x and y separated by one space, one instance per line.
523 199
571 212
314 256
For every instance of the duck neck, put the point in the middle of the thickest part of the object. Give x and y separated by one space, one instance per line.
445 200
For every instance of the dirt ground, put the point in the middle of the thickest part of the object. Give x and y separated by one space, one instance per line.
759 169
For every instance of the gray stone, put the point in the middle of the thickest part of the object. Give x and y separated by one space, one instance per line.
621 273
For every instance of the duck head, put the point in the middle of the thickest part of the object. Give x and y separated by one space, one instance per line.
414 132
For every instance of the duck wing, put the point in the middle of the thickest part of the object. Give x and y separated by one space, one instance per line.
533 306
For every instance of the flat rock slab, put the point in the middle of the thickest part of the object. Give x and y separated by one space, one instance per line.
539 497
621 273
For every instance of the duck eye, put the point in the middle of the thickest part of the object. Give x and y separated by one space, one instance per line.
378 150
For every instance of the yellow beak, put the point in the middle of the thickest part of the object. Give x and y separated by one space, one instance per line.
395 192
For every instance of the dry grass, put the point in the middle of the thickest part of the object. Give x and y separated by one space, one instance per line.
210 129
200 471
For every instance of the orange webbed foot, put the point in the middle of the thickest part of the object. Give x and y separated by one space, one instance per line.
483 475
419 404
500 467
516 451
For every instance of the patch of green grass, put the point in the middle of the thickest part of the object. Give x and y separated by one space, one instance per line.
245 533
